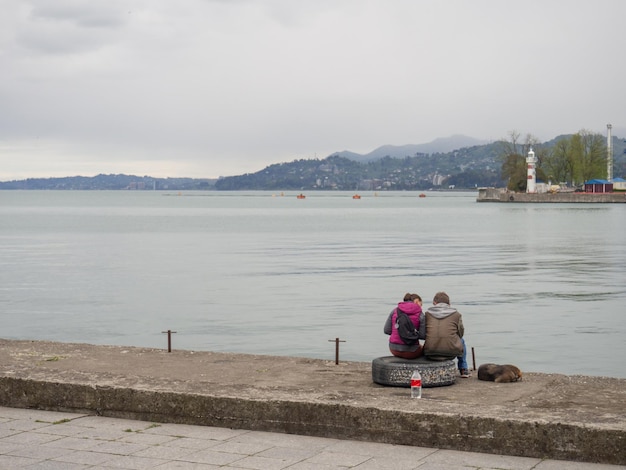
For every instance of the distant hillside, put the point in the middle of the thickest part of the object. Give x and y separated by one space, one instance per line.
441 145
111 182
462 168
400 168
468 167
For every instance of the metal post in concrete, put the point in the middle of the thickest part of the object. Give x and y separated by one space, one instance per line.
169 339
337 341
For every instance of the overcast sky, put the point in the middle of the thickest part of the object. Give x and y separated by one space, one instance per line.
208 88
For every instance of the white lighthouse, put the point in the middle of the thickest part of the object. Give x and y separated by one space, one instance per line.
531 161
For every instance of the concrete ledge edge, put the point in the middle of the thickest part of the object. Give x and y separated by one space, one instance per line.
503 436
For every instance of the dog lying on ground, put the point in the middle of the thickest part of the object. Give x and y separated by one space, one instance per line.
499 373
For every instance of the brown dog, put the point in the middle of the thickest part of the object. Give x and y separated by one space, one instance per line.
499 373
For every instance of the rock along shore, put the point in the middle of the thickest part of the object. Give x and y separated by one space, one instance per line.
577 418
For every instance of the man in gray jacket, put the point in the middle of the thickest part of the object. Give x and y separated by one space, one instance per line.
444 333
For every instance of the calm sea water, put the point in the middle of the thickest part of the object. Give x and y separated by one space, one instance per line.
542 286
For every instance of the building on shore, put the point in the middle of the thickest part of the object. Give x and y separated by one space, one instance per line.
619 184
598 186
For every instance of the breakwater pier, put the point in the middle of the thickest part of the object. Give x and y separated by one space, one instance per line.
502 195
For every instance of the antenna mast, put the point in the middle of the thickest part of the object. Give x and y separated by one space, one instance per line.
609 154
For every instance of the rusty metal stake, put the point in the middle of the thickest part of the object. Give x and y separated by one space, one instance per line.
169 339
473 359
337 341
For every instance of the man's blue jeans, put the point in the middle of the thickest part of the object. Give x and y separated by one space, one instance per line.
462 361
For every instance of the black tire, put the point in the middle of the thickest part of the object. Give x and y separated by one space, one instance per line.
396 372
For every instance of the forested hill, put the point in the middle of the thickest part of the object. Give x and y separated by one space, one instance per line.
111 182
465 168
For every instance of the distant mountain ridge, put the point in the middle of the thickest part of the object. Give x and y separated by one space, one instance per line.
470 164
440 145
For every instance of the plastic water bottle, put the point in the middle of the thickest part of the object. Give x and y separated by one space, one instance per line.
416 384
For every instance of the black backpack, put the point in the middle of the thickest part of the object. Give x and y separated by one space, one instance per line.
406 329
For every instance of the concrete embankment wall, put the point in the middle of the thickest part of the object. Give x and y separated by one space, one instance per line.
546 415
498 434
499 195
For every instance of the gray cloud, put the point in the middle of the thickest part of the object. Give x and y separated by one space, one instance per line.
110 14
68 26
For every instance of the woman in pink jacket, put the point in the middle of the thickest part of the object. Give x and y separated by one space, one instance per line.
412 306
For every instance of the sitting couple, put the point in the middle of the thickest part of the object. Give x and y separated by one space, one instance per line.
441 328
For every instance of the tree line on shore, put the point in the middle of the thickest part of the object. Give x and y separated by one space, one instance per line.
570 159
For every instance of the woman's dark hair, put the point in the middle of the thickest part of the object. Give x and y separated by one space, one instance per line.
411 297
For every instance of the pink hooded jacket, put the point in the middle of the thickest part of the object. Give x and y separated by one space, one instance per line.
413 310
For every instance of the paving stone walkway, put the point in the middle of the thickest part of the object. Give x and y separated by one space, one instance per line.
35 439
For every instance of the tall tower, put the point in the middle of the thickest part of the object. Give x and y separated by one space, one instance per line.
609 154
531 184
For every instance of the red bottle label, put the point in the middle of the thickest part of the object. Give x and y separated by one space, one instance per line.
416 382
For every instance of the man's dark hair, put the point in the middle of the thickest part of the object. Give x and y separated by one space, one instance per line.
441 298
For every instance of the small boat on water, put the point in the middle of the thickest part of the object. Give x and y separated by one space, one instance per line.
356 196
422 195
301 196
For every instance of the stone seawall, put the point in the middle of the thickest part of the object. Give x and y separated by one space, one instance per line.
501 195
552 416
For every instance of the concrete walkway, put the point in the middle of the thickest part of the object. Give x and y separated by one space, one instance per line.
35 439
546 416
